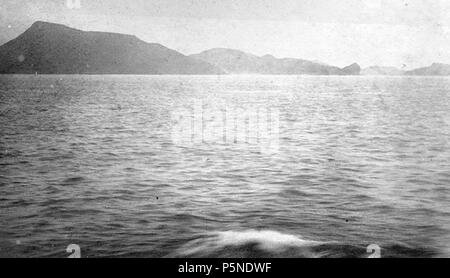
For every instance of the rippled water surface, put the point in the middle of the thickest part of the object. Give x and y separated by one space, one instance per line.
90 160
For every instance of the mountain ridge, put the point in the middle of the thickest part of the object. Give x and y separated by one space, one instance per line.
235 61
436 69
51 48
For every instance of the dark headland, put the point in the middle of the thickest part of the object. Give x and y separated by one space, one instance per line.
48 48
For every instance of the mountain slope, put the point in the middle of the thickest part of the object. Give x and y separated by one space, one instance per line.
434 69
353 69
237 62
49 48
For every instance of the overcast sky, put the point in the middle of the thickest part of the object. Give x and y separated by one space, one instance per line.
402 33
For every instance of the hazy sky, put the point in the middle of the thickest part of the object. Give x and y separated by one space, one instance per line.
402 33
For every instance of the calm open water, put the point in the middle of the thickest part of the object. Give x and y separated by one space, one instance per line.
90 160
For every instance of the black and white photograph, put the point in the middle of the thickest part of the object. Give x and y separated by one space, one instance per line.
207 129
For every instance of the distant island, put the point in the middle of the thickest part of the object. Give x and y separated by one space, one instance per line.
49 48
435 69
238 62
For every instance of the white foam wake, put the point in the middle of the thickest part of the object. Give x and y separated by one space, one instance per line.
269 241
